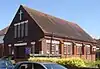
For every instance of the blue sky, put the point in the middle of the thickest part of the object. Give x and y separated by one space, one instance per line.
86 13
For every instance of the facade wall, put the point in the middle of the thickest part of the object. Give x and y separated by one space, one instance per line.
22 31
41 48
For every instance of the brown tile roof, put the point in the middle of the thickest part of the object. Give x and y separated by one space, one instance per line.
50 24
3 31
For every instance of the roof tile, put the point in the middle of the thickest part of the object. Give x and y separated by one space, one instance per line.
51 24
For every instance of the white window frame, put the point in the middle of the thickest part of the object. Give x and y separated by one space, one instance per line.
54 47
26 28
88 51
79 48
67 44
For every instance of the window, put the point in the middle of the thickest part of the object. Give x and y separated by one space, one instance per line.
68 48
30 66
57 48
87 49
26 29
65 49
79 48
10 50
21 29
15 31
54 66
54 48
38 66
48 48
33 48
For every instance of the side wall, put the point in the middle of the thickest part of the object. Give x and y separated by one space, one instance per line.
89 57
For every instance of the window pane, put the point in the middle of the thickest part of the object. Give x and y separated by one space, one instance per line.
15 31
48 48
53 49
19 30
87 50
57 49
38 66
22 30
69 49
33 49
26 29
54 66
65 49
79 49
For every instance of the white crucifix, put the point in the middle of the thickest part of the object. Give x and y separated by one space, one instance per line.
20 14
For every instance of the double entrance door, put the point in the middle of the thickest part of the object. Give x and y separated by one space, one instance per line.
20 51
23 51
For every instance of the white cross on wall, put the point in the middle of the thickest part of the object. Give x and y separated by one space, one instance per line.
20 14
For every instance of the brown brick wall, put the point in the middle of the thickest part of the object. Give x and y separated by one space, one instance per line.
83 55
1 50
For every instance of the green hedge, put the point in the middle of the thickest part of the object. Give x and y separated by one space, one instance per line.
63 61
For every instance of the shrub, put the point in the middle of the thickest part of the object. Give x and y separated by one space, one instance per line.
93 63
97 63
63 61
41 59
72 61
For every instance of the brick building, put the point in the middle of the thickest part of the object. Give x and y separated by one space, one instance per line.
34 32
